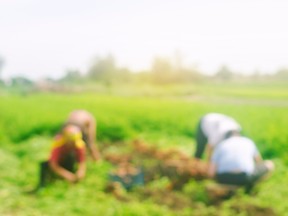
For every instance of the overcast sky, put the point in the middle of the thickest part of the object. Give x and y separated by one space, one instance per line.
45 38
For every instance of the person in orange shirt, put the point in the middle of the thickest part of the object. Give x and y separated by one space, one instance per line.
67 157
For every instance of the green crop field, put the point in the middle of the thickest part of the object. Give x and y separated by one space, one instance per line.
28 123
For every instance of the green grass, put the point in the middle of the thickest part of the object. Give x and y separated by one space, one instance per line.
27 124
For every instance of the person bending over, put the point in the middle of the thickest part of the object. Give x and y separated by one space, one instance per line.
237 161
212 129
87 124
67 157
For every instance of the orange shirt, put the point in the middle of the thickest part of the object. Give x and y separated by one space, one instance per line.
60 151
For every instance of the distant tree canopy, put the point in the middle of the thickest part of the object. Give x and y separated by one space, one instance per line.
103 69
21 82
224 73
72 75
1 64
162 71
106 70
282 74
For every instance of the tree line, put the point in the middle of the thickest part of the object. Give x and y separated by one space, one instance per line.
162 71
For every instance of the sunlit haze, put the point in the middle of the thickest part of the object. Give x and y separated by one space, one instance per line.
45 38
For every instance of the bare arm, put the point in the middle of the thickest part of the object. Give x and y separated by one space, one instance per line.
209 152
258 158
81 170
211 170
212 166
91 139
94 151
91 130
66 174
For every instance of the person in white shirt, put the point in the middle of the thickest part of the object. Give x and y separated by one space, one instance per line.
212 129
237 161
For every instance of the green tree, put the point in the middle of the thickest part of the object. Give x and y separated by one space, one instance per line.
20 81
1 65
72 76
103 69
124 75
162 71
224 73
282 74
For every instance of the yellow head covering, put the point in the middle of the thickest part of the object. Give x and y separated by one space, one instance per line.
70 133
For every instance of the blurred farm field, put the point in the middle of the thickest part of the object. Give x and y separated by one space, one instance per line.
167 118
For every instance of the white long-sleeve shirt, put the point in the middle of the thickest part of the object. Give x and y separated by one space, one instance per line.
235 154
216 125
